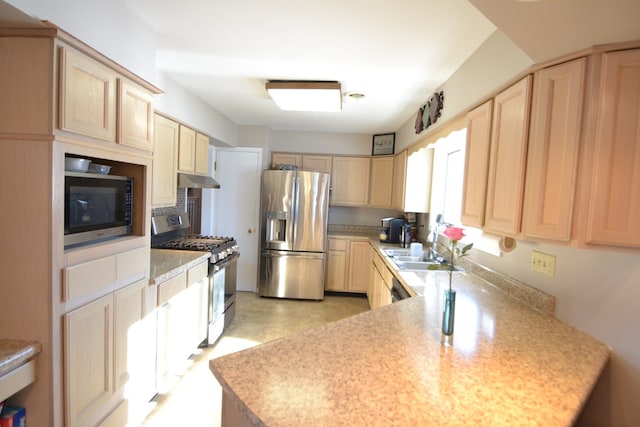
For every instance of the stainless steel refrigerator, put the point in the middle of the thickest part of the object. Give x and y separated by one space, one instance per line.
294 210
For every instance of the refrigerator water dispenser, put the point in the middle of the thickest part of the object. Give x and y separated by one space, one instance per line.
276 226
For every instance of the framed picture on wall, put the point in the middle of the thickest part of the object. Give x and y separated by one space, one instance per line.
383 144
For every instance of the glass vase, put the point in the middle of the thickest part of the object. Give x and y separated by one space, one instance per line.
448 312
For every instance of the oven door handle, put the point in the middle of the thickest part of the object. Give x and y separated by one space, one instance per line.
226 261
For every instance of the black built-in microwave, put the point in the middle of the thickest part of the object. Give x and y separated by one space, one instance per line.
96 207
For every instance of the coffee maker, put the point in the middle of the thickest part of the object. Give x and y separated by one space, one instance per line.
391 231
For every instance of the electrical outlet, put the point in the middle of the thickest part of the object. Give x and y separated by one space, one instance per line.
543 263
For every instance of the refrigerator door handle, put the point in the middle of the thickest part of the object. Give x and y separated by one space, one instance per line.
294 211
301 255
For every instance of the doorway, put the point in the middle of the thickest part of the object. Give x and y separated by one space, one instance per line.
237 203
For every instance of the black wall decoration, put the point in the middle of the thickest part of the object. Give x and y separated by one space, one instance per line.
428 114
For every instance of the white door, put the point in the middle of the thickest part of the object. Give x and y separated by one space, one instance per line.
237 204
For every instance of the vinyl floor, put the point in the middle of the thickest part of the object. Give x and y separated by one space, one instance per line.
195 398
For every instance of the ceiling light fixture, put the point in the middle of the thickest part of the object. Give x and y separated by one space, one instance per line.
306 95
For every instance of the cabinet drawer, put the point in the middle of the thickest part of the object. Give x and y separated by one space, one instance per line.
386 274
171 288
133 263
195 274
84 279
338 244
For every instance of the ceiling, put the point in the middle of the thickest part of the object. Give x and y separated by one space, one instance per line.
395 53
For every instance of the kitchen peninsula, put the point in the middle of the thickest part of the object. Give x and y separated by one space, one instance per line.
507 364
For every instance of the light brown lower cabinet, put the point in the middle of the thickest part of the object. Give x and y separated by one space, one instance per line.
100 338
347 265
379 292
182 322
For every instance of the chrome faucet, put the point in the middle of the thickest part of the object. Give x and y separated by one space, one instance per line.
433 251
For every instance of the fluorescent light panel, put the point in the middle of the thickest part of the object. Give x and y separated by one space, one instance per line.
306 95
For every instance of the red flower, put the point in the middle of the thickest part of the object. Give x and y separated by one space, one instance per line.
454 233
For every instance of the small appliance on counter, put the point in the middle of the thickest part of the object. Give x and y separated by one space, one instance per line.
391 229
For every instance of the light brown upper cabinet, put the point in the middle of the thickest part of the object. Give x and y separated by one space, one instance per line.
554 142
187 150
87 96
165 162
202 154
286 159
98 102
399 180
381 182
350 181
317 163
614 208
476 166
307 162
135 116
193 151
507 159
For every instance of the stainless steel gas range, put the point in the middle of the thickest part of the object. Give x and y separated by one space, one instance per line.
170 232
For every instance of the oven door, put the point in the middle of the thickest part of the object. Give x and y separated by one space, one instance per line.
222 296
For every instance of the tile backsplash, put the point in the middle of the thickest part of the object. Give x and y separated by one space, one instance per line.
181 202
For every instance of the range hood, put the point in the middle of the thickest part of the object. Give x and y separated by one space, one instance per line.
187 180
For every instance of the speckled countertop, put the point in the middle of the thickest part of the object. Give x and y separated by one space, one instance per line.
14 353
507 364
168 263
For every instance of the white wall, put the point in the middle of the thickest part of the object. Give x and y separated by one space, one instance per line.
321 142
495 62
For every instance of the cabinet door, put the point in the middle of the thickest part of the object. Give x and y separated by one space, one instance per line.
418 182
286 159
317 163
359 266
187 150
135 116
202 154
615 203
399 179
381 183
202 309
165 163
337 259
507 161
88 361
552 160
87 96
476 165
350 181
130 352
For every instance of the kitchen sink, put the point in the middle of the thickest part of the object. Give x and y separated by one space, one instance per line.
423 265
397 252
404 261
407 258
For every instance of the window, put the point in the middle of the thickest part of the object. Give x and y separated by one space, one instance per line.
448 175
